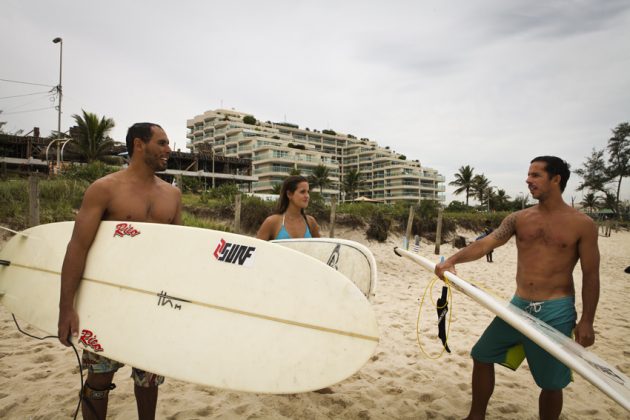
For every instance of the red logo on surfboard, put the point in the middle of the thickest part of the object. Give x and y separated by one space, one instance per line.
235 254
89 340
124 229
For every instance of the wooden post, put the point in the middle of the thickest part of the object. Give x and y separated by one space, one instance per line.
178 182
438 233
409 226
33 200
333 211
237 213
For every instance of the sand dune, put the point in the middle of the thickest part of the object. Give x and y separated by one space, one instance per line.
38 379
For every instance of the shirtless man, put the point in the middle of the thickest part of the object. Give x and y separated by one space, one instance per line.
133 194
550 238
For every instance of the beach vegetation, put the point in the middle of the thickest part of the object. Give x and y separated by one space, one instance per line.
249 119
320 177
60 199
91 138
598 174
352 182
480 187
89 172
464 181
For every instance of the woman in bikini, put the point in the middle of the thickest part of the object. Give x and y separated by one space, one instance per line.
290 220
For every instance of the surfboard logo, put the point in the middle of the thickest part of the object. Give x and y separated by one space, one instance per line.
242 255
333 260
89 340
124 229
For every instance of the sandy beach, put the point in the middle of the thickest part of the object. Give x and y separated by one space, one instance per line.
39 379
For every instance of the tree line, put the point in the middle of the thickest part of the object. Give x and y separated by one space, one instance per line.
602 174
478 186
604 170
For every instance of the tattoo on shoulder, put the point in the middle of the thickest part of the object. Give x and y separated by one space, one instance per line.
506 229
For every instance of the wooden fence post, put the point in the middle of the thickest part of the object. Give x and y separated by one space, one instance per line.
333 211
237 213
409 226
438 233
33 200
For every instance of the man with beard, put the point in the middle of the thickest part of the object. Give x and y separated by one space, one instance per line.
134 194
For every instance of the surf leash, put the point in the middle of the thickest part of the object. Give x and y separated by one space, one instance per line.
442 310
76 412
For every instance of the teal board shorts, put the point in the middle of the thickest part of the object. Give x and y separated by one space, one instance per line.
502 344
96 363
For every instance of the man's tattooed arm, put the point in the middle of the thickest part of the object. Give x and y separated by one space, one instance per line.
507 228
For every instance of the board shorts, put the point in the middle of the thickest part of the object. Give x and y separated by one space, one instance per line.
502 344
96 363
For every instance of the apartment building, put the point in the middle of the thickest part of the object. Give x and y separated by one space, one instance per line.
276 149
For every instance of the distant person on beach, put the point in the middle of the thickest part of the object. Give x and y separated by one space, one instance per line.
550 238
132 194
487 231
290 220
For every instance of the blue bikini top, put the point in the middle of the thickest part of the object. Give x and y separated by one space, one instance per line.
283 234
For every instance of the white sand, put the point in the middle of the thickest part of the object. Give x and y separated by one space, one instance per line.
39 379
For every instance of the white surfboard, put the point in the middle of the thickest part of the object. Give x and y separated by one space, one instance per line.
350 258
601 374
198 305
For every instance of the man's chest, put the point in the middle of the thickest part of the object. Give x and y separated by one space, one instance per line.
142 207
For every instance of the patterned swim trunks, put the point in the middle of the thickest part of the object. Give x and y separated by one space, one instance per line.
100 364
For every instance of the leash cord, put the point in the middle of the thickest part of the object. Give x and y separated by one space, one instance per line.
450 314
76 412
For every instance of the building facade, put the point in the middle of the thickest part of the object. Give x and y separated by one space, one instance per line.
277 149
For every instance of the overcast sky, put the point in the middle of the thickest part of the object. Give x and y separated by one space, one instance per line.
486 83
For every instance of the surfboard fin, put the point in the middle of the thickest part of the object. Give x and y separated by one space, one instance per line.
442 310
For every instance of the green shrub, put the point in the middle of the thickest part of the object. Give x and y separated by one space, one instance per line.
379 226
191 220
254 211
361 210
14 199
249 119
89 173
476 221
225 191
59 199
192 184
318 208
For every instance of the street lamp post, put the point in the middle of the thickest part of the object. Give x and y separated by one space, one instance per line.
59 91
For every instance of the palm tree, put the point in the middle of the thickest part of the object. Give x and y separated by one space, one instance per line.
464 181
320 177
590 202
480 186
609 201
351 182
92 140
295 171
501 200
619 159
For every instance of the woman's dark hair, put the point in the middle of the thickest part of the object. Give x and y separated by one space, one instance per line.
140 131
290 184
